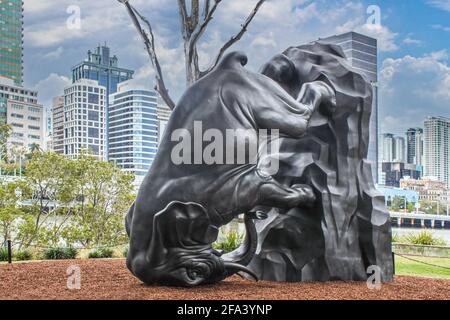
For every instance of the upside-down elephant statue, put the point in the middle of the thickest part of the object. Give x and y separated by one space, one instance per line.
200 180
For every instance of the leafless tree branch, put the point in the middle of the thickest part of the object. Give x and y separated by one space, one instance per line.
234 39
149 41
192 28
207 19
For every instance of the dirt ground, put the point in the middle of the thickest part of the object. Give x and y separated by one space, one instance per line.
109 279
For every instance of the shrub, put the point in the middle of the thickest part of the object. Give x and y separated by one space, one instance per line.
101 253
231 242
125 251
424 238
60 253
23 255
3 254
396 238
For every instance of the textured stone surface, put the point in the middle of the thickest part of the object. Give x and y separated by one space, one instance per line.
349 227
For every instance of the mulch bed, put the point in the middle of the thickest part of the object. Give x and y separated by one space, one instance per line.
110 279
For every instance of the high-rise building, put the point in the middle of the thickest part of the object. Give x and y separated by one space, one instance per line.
164 113
134 127
58 125
103 68
436 148
362 53
396 171
399 149
11 40
20 109
387 147
85 119
414 141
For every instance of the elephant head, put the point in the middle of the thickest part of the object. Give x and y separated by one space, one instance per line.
180 251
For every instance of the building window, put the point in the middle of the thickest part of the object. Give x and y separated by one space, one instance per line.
34 109
16 115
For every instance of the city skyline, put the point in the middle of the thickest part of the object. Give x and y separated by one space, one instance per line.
412 56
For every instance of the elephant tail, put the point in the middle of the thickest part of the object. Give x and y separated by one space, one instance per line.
244 254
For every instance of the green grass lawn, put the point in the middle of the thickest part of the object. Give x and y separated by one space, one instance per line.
411 268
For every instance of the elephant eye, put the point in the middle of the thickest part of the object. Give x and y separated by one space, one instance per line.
196 271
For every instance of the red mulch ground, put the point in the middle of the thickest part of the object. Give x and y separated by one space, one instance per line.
109 279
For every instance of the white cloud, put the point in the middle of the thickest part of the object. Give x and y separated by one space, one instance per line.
440 4
54 54
279 24
412 88
51 87
440 27
412 41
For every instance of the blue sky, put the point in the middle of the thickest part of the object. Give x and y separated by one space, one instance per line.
413 35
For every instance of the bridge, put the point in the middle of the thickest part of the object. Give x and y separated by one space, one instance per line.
419 220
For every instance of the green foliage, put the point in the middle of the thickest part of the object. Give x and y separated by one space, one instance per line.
104 198
101 253
231 242
125 252
60 253
396 238
424 238
11 214
81 201
3 254
23 255
5 132
430 207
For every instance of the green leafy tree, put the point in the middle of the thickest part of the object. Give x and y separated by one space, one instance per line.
11 213
398 203
104 194
5 132
429 207
50 184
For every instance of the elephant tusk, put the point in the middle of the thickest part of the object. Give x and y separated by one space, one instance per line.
233 268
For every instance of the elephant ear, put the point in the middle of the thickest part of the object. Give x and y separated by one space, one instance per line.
180 225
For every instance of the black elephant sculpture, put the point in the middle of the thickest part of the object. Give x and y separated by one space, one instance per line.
199 182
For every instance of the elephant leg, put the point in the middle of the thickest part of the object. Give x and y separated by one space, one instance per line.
255 191
276 195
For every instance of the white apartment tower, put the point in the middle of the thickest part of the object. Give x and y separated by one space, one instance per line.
85 119
436 148
19 108
400 148
58 125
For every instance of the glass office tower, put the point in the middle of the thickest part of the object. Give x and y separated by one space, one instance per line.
11 40
100 66
134 127
362 52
